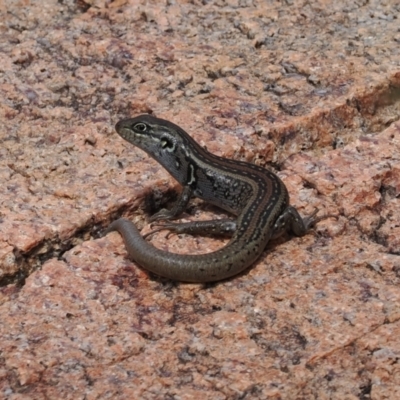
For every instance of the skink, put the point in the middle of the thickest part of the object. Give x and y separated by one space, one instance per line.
254 194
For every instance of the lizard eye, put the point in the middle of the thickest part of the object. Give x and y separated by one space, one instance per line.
140 127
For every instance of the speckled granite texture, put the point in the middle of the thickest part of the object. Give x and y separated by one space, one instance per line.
311 88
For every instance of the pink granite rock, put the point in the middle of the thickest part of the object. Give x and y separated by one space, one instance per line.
313 87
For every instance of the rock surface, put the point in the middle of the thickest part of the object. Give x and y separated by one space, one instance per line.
313 87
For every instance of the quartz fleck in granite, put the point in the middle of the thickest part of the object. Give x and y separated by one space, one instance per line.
312 87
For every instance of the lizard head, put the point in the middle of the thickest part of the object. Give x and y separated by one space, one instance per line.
164 141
